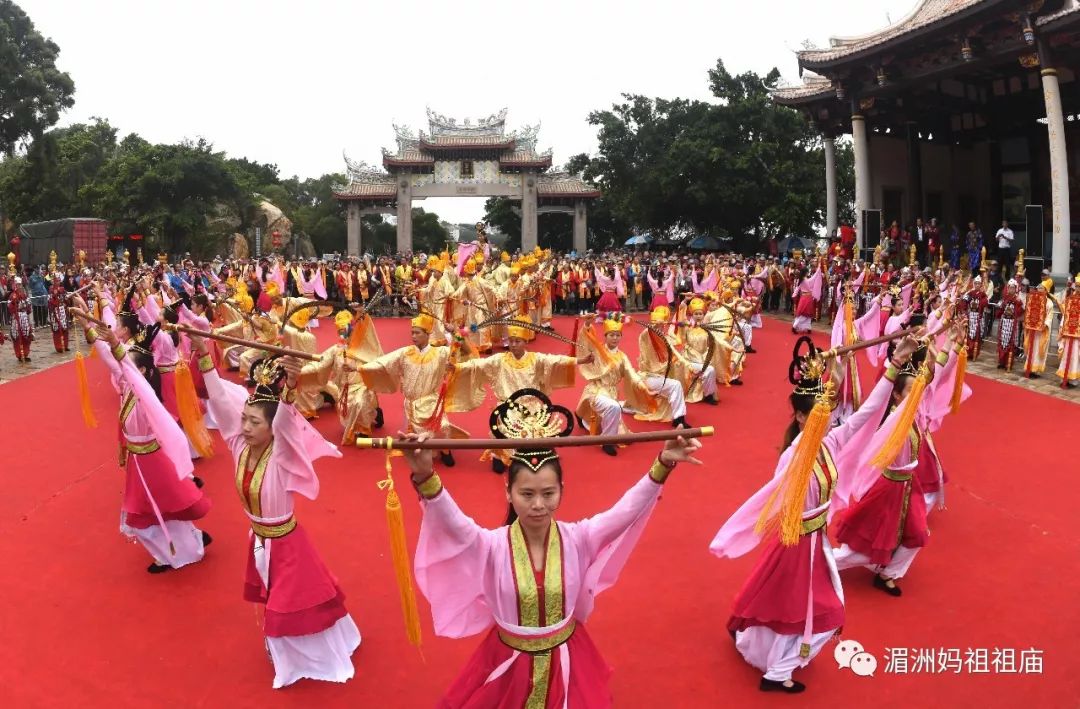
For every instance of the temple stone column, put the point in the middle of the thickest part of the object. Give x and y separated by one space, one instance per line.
352 213
830 186
1059 168
861 148
404 214
528 212
580 232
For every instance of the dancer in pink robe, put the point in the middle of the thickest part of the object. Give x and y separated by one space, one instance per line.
309 633
529 586
770 622
161 500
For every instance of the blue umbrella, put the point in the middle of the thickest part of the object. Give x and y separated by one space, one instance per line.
639 240
705 242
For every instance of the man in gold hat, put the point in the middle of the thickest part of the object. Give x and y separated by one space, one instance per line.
599 408
509 372
337 374
419 370
436 296
664 370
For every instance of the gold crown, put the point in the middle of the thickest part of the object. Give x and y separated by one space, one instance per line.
523 421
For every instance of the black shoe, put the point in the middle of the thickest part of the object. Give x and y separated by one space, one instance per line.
1034 375
1001 366
710 400
681 421
751 350
497 466
771 685
155 569
610 450
447 458
198 481
207 540
378 418
736 382
894 590
27 359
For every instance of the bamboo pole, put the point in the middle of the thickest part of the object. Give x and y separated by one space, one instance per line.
538 443
265 347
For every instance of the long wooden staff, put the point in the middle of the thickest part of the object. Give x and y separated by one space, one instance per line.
539 443
273 349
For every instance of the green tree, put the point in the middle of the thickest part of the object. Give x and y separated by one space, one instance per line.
33 91
739 166
428 234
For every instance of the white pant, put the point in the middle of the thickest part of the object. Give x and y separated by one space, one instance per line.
774 654
671 390
846 558
802 324
747 332
186 537
708 379
610 413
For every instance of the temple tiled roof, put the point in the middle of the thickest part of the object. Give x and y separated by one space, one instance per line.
1068 13
929 12
367 190
561 186
526 157
466 141
407 157
813 86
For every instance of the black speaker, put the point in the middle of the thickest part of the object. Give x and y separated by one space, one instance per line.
1033 269
1036 231
871 229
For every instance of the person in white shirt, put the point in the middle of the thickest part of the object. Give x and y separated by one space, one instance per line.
1005 238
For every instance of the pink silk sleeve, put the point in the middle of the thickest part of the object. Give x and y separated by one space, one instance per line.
608 538
169 435
296 445
869 325
152 309
226 403
737 536
452 569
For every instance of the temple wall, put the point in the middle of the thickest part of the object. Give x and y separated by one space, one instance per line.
960 175
484 171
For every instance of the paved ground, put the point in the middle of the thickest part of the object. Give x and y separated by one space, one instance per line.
42 356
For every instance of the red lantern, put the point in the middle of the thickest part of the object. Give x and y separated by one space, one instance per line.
275 239
116 237
136 237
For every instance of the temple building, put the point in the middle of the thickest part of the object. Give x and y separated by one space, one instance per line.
464 160
965 110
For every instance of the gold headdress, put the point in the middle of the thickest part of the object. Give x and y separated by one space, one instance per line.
529 413
268 377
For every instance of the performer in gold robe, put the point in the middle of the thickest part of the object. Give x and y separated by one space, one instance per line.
507 373
696 349
419 370
657 358
337 374
599 409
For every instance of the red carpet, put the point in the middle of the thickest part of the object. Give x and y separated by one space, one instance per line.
85 625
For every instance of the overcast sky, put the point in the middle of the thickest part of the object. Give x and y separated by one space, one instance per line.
295 83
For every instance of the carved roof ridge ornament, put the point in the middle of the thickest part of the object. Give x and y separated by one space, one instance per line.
441 125
361 172
406 139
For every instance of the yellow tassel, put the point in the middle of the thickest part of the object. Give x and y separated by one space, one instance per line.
958 383
399 555
789 497
849 322
84 391
899 435
187 402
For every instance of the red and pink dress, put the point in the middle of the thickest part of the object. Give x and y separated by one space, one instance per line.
308 631
536 651
773 629
161 501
